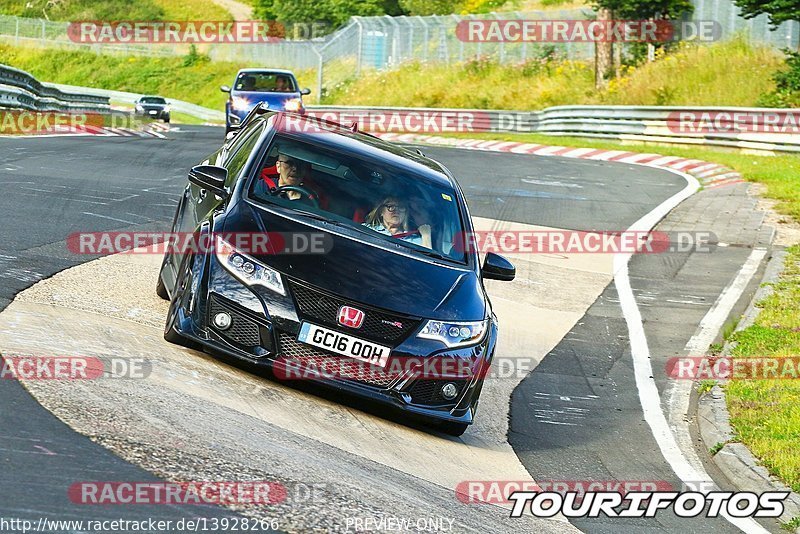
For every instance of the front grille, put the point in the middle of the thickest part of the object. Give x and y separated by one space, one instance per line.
332 365
378 325
242 330
426 391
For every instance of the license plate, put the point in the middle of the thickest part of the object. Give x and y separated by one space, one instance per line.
153 112
352 347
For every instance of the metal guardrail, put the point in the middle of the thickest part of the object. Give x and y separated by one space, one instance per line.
20 90
206 114
743 128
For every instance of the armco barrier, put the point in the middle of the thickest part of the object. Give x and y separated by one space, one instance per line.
20 90
729 126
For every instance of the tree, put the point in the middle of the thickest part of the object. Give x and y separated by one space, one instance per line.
429 7
333 13
635 10
778 11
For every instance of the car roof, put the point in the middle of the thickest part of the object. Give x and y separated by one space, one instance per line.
275 71
365 145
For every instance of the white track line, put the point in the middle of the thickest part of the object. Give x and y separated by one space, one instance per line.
643 369
680 392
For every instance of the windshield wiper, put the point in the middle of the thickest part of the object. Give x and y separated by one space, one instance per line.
333 222
433 254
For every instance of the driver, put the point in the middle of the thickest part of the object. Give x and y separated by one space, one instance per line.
290 172
281 84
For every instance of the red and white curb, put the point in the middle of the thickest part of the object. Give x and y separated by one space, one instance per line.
711 175
152 130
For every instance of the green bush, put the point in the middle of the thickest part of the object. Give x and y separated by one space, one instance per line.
787 85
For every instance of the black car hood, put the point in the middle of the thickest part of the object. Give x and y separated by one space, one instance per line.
367 273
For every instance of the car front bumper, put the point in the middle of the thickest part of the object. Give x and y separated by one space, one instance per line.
272 343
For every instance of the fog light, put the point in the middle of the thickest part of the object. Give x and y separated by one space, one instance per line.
449 391
222 320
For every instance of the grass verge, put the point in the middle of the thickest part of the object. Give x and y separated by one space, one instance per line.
766 413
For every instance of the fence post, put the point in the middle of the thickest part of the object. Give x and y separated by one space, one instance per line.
395 36
460 41
360 44
319 74
425 39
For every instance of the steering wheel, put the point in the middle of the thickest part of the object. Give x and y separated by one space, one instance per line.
299 189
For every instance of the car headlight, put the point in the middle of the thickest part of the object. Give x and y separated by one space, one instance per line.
139 108
454 334
247 269
293 104
240 103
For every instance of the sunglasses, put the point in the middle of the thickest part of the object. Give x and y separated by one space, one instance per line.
395 207
290 162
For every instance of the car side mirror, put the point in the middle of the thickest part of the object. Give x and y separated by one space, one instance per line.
305 91
210 177
225 88
496 267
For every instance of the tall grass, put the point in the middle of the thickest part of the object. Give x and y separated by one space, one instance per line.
730 73
116 9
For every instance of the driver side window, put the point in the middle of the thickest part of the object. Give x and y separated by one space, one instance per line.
237 159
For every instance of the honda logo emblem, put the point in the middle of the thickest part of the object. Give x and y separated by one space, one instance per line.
350 317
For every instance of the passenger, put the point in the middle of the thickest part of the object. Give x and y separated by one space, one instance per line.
390 217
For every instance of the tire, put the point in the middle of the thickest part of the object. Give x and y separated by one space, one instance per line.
453 429
161 289
170 334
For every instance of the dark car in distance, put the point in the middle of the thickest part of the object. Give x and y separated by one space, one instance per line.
391 308
154 107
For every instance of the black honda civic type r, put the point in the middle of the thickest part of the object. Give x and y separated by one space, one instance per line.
332 256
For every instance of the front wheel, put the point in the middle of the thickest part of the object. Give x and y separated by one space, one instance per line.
182 286
161 289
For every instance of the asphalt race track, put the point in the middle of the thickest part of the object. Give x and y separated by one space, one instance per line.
576 417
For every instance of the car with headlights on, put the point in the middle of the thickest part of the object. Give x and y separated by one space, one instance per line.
276 88
154 107
390 305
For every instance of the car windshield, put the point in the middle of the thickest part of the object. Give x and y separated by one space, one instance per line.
153 100
265 82
371 196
